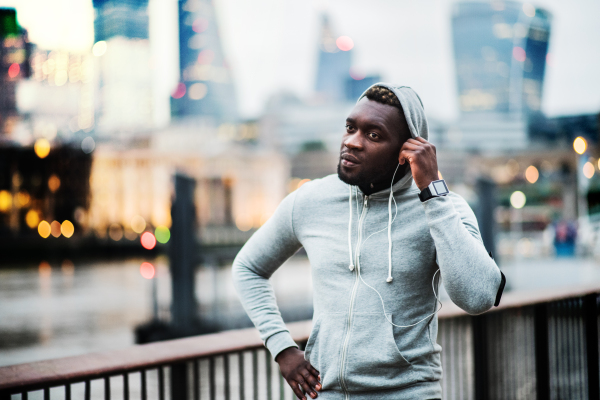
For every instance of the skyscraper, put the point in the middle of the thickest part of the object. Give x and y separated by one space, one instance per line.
125 18
206 87
500 50
15 50
122 50
335 60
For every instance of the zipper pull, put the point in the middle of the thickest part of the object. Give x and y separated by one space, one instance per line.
366 199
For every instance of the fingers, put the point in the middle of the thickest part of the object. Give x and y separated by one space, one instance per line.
307 388
313 371
312 380
405 155
296 389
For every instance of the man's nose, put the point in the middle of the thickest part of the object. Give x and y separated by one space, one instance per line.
352 141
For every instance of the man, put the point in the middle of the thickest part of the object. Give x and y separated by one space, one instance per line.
375 324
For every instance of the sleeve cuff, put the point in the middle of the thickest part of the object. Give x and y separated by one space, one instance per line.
438 207
279 342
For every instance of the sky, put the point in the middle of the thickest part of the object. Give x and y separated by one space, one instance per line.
272 45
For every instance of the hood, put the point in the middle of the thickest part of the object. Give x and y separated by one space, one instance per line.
412 105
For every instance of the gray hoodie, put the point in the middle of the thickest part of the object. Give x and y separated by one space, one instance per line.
373 337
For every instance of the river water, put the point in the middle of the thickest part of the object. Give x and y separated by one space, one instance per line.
70 308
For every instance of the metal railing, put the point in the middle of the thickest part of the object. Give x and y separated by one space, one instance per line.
536 345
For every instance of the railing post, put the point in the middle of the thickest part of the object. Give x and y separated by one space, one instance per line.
542 349
480 356
590 314
179 381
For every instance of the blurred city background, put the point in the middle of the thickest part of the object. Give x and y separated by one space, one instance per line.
143 141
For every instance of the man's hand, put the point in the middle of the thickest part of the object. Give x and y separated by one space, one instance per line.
423 161
298 372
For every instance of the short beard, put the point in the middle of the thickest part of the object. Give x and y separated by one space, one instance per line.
380 174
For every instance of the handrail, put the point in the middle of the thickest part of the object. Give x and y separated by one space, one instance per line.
97 365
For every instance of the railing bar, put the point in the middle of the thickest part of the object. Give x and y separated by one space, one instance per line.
226 372
144 393
269 375
24 396
126 386
241 375
255 373
88 391
68 391
161 383
211 376
196 379
281 387
590 311
107 388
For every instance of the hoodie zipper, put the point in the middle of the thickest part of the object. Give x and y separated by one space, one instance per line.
352 297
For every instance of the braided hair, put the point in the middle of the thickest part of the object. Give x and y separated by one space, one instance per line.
384 95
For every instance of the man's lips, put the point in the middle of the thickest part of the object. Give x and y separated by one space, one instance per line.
349 160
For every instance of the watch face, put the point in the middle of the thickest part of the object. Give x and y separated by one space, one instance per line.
440 187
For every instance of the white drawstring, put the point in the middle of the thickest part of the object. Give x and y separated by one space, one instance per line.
351 266
389 278
389 229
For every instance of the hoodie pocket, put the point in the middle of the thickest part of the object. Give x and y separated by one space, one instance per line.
373 359
324 346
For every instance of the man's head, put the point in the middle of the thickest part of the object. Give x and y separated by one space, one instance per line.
375 131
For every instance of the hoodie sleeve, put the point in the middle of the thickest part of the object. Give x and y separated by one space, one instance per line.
471 277
261 256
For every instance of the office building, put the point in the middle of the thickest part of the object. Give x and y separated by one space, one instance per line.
205 88
334 62
15 50
124 104
500 50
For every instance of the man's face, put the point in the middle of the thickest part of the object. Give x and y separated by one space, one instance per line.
370 147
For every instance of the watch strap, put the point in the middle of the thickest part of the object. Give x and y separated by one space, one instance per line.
425 194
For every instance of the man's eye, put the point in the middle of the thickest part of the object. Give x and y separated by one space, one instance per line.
373 135
348 127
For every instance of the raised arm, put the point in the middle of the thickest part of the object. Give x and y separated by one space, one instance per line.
471 277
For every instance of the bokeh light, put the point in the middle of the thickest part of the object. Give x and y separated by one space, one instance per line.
147 270
45 269
99 48
55 229
197 91
88 145
53 183
344 43
529 10
357 74
44 229
148 240
162 234
32 219
23 198
519 54
179 91
518 199
138 224
588 170
13 70
579 145
200 25
532 174
42 147
5 200
206 56
115 232
67 228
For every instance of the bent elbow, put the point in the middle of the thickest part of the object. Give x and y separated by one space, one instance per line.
480 306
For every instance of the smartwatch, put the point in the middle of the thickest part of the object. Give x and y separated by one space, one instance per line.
435 189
